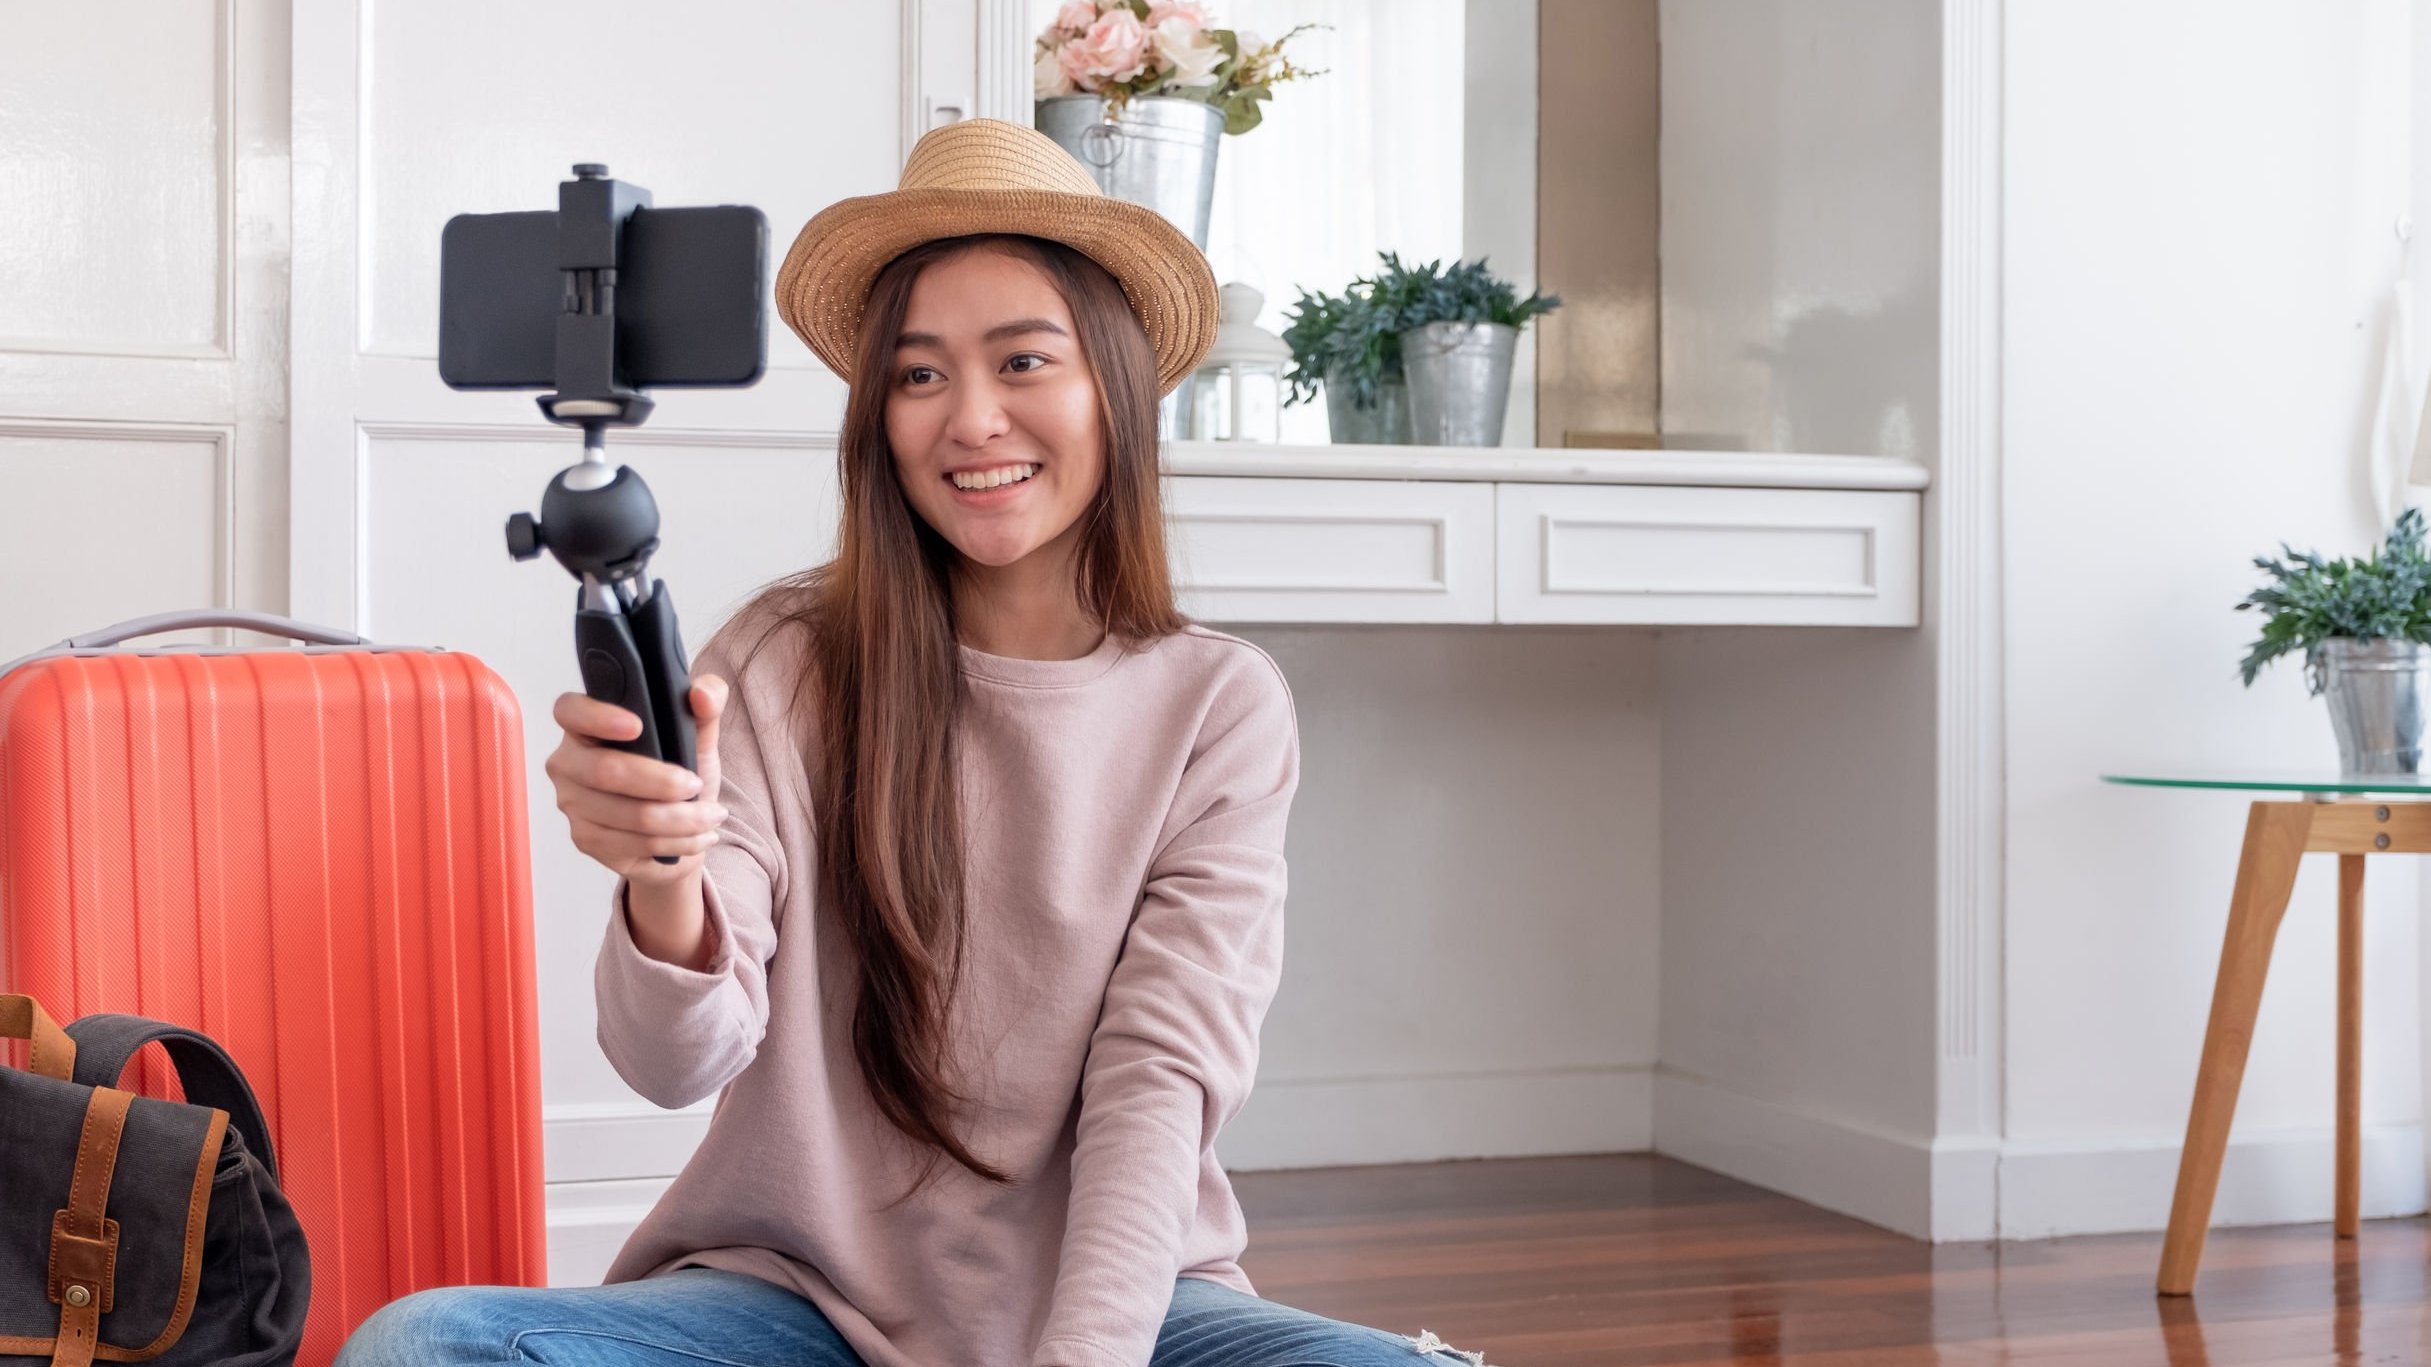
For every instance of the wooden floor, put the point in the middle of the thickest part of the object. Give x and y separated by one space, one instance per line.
1608 1260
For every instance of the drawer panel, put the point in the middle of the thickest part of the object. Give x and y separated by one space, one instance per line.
1331 550
1696 554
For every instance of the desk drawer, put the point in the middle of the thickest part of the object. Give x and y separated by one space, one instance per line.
1696 554
1331 550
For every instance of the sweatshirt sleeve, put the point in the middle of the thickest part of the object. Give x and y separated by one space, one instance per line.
1176 1044
676 1035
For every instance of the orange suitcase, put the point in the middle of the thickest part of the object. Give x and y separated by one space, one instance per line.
316 855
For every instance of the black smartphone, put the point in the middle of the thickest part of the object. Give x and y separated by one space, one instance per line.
689 310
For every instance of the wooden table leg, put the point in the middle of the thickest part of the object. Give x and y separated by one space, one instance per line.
2350 1044
2275 838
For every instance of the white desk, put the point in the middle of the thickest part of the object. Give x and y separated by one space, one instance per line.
1523 535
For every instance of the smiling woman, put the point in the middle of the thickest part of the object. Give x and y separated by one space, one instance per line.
1017 397
979 747
997 425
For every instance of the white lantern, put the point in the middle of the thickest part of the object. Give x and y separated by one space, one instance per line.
1238 394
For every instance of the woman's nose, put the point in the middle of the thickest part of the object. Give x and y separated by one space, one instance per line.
977 415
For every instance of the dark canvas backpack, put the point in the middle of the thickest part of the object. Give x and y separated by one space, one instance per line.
134 1229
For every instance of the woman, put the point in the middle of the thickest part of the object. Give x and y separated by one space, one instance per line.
979 900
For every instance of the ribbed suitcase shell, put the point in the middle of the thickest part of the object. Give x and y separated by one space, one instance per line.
320 859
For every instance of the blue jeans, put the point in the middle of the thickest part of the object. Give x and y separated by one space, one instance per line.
698 1315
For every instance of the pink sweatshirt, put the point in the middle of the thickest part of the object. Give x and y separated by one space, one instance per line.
1124 817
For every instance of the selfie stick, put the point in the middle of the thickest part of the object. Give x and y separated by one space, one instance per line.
602 524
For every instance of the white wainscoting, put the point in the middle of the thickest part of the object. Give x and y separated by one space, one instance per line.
70 493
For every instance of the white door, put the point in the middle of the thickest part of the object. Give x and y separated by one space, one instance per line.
143 256
406 115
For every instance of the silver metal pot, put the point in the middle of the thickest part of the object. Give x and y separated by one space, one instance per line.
1388 423
2376 689
1160 152
1460 381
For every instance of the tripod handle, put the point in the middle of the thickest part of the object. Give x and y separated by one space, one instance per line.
625 660
661 648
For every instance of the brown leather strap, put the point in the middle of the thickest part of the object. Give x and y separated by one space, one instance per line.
84 1241
22 1017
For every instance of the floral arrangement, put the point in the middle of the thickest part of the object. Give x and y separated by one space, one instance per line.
1119 49
2312 600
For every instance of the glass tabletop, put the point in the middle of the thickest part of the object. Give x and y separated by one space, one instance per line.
2276 780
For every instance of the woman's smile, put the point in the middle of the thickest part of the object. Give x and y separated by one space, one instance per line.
993 486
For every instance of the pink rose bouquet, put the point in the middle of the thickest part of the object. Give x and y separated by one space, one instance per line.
1118 49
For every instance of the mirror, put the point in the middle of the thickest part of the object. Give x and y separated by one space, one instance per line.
1738 204
1384 151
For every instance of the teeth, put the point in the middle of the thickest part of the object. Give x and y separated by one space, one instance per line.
989 479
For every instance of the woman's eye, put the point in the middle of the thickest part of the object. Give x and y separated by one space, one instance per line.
912 376
1028 356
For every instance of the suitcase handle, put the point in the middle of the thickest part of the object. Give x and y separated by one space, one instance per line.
267 623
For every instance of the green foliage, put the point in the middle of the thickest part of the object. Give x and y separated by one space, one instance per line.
1467 293
2312 600
1347 336
1355 336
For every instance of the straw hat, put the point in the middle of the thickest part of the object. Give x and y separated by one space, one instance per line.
991 176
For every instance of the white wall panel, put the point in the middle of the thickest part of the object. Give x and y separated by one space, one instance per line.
2189 365
114 176
1801 256
476 107
437 500
99 524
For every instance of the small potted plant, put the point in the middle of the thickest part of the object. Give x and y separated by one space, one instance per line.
2363 626
1459 328
1350 347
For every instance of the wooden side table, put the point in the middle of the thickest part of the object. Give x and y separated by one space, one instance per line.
2333 814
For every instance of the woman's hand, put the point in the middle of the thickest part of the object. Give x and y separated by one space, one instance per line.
625 809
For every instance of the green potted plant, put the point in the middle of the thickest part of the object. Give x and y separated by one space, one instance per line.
1459 328
1350 347
2363 626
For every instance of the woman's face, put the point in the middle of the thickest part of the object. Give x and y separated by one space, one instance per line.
988 384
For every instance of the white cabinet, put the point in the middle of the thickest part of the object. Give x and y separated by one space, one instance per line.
1644 554
1246 549
1394 534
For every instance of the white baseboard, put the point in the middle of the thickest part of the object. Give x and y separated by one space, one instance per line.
589 1222
1973 1189
609 1162
1881 1178
1966 1188
616 1140
1290 1123
2272 1178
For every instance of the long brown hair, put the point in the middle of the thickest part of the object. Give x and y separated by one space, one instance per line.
884 681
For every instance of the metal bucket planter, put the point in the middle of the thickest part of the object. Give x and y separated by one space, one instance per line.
1160 152
2376 690
1460 381
1388 423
